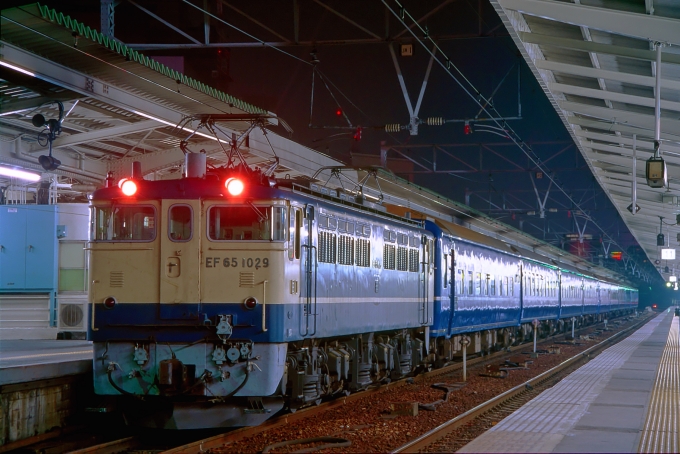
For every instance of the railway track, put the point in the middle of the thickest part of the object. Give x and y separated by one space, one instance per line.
487 413
225 442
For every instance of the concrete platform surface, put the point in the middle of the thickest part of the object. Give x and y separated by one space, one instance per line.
23 361
601 407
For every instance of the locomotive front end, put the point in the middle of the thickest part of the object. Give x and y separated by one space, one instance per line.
186 292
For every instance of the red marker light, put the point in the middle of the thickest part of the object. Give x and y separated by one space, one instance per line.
234 186
129 187
250 303
338 111
110 302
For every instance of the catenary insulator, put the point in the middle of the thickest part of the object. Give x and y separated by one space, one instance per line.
435 121
393 127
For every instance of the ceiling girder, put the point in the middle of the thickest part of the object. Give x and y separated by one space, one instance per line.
653 28
101 134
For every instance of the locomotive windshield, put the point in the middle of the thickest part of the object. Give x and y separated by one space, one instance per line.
123 223
246 223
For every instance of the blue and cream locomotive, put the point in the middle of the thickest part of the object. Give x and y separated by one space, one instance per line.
219 298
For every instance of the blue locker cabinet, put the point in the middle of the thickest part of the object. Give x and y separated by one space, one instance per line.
28 248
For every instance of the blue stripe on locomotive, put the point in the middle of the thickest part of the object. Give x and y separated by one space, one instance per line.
285 322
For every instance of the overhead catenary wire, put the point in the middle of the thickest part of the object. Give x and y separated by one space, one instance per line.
482 102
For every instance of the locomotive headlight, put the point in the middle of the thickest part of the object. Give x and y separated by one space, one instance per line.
234 186
110 302
250 303
129 187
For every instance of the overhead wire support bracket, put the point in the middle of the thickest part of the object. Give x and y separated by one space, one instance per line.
413 111
401 14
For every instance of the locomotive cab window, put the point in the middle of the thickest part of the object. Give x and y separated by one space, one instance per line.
179 223
123 223
246 223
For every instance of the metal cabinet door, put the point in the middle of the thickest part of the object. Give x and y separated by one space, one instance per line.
12 248
41 247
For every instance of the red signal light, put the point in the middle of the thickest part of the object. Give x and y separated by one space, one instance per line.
128 187
617 255
357 133
338 111
467 129
234 186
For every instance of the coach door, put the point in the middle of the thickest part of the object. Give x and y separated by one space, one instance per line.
426 265
449 283
180 241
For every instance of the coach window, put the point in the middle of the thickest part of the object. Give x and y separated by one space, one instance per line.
460 282
471 284
179 223
478 284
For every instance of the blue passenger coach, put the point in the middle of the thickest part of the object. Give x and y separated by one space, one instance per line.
495 293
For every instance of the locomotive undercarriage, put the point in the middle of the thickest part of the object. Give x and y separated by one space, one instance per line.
321 368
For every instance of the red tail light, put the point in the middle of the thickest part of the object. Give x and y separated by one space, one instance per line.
234 186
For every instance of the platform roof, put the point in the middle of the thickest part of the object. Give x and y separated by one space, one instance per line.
596 63
120 106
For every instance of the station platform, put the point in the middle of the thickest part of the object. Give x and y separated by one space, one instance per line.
627 399
23 361
43 383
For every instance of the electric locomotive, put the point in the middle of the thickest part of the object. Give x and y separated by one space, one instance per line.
229 293
220 298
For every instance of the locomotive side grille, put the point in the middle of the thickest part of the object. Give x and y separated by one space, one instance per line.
388 257
363 254
116 279
327 247
413 260
402 258
246 279
346 250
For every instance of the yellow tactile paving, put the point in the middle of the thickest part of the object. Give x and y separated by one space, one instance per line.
662 424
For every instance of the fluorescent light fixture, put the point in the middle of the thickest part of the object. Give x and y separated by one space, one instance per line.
16 111
16 173
16 68
165 122
667 254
